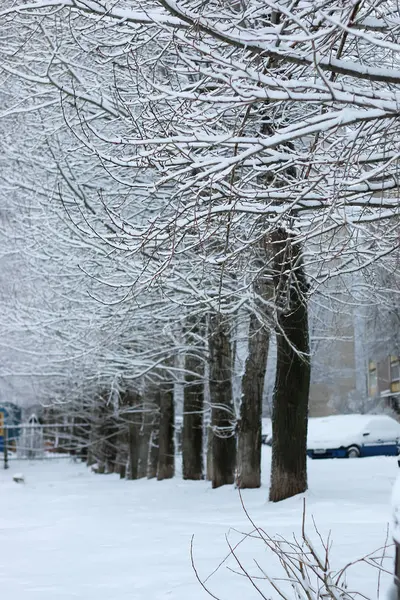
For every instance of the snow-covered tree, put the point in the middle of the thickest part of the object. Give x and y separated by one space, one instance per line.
207 129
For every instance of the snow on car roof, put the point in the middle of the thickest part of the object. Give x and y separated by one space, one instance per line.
335 430
344 422
334 423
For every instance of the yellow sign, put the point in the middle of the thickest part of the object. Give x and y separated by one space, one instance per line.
1 424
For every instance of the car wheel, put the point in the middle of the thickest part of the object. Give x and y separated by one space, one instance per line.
353 452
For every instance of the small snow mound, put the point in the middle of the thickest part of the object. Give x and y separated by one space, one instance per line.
19 478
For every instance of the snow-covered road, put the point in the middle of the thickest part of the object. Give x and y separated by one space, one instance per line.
67 533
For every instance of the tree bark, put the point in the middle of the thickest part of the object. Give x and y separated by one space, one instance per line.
166 442
223 414
133 418
249 429
133 445
123 437
290 403
209 474
144 441
101 451
122 449
154 439
121 471
193 408
110 443
153 454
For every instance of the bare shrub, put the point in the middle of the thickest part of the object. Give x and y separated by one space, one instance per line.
306 572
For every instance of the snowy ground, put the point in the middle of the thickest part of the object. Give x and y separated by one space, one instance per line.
69 534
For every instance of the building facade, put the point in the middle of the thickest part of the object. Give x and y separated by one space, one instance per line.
384 380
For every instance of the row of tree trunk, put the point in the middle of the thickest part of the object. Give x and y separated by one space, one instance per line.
135 438
138 439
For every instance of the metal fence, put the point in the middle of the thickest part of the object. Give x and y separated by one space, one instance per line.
43 442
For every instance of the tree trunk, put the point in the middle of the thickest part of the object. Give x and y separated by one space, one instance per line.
209 474
153 454
133 418
290 403
166 443
110 440
154 440
192 435
90 457
123 436
133 444
223 414
193 407
81 432
122 449
144 441
99 450
249 430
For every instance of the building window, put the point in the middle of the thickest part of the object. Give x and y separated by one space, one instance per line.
394 374
372 379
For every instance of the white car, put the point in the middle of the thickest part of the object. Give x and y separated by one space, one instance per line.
353 436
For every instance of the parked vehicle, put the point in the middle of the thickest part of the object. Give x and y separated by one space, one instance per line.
353 436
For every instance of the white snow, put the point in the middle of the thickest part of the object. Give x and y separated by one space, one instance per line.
266 426
70 534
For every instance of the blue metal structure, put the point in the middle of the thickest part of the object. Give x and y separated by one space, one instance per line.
10 415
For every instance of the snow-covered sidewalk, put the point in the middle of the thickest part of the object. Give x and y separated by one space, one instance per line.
69 534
